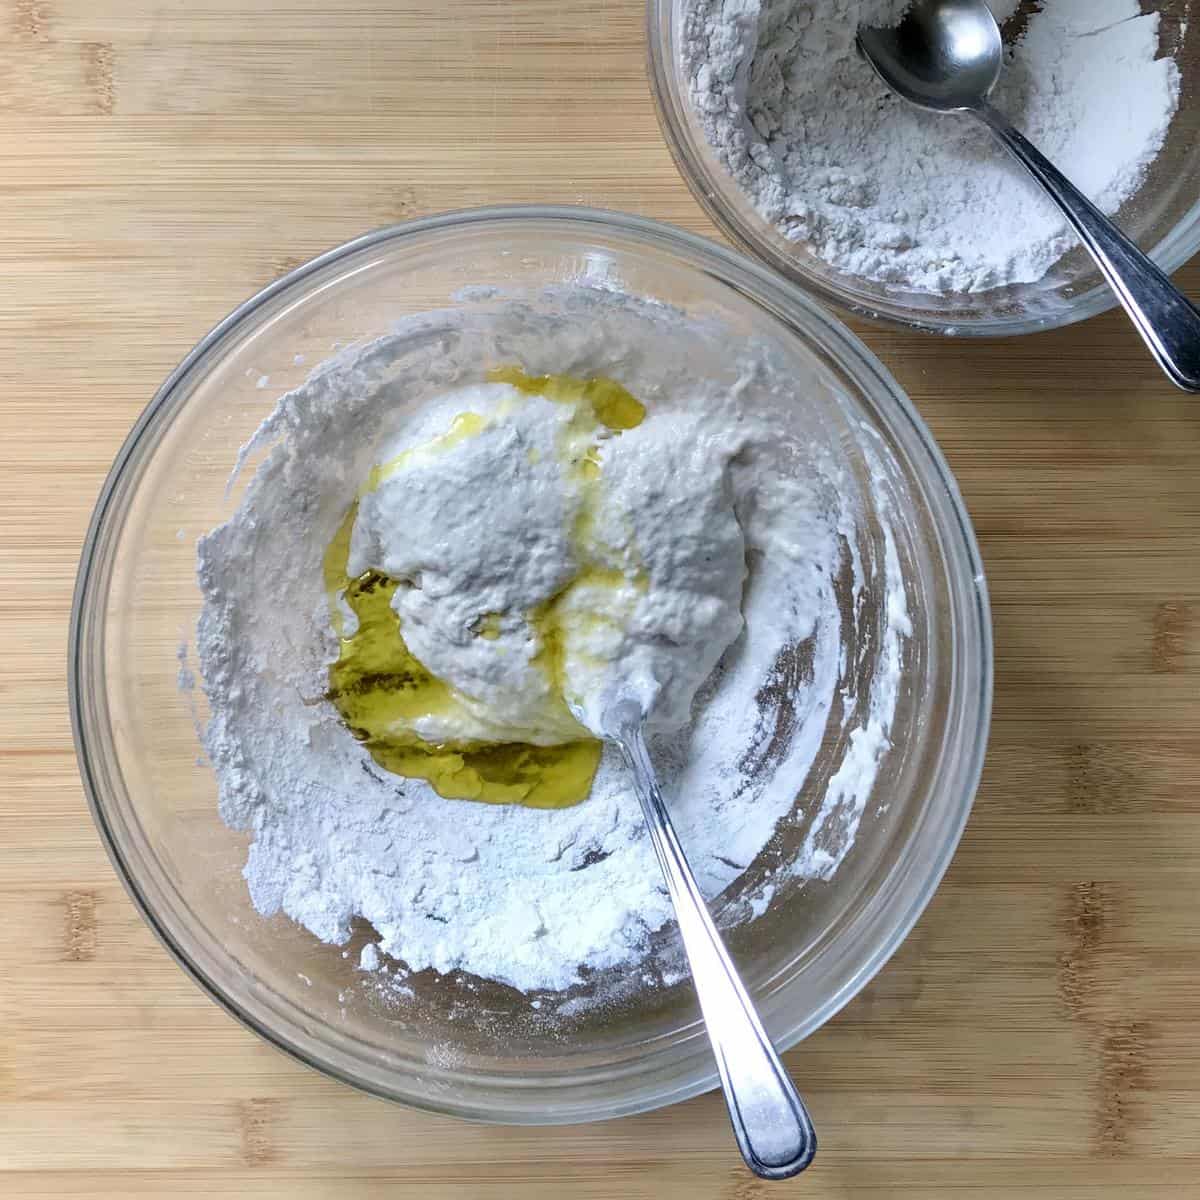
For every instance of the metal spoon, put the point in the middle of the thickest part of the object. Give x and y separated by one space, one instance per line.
773 1129
945 56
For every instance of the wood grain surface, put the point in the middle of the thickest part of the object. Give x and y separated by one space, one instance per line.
1038 1034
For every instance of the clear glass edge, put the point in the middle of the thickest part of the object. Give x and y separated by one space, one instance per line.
848 347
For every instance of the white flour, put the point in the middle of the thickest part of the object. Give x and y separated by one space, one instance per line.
645 577
532 897
878 189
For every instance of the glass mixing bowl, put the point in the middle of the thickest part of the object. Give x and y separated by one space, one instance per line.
1163 216
453 1044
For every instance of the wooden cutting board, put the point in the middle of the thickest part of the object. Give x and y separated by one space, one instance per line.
1038 1035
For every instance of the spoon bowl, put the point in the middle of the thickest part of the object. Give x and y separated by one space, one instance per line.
943 57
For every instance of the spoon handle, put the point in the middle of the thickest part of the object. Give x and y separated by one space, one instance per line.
773 1129
1168 322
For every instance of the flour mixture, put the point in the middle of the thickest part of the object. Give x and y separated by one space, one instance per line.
878 189
462 540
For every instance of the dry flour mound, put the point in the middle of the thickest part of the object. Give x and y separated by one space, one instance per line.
529 897
878 189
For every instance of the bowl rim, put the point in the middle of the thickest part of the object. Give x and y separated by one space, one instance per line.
705 182
694 251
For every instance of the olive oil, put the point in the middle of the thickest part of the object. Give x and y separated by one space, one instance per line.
380 688
605 399
465 425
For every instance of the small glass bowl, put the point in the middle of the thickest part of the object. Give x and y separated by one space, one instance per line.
473 1049
1163 216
